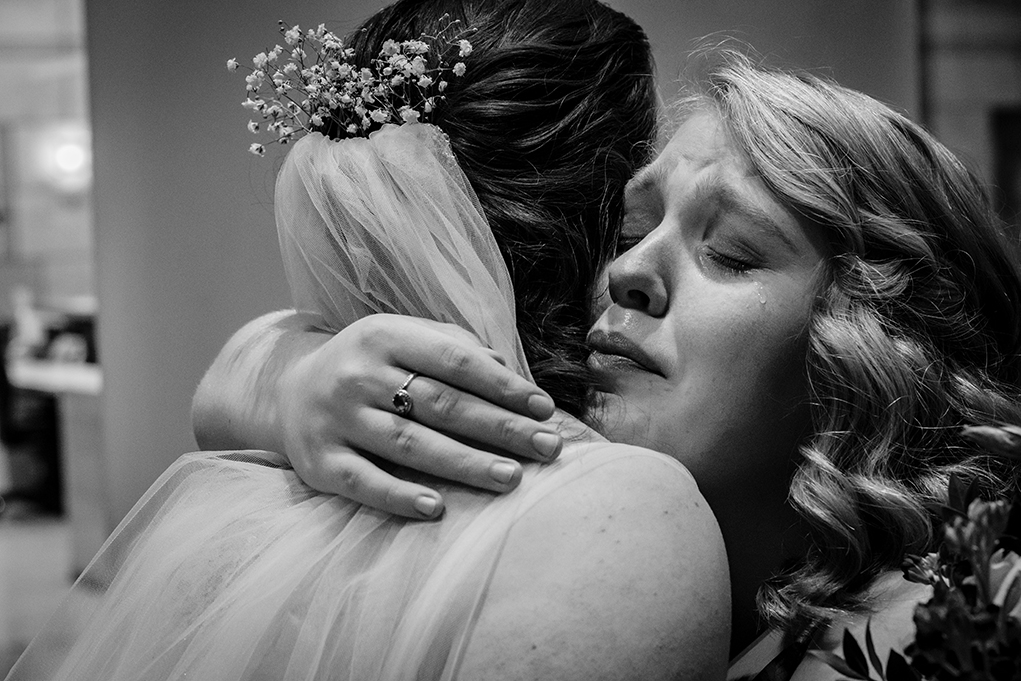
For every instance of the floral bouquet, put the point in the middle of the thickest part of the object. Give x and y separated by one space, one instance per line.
971 627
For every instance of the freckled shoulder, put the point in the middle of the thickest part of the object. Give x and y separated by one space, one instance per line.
619 574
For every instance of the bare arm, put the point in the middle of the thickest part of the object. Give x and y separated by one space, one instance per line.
324 400
237 403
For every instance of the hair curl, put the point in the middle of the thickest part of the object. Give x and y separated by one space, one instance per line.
916 333
554 116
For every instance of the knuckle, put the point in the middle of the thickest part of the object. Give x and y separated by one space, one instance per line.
351 480
461 468
446 402
391 498
454 358
404 442
507 430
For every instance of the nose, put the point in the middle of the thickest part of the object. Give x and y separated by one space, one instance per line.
635 281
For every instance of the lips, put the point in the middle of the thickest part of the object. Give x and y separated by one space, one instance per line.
615 353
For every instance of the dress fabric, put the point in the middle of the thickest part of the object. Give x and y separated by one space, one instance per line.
229 567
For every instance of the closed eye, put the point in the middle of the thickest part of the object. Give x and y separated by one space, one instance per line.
727 264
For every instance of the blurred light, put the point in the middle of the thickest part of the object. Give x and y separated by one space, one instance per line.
64 153
70 158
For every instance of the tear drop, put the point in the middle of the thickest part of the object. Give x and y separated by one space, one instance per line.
761 291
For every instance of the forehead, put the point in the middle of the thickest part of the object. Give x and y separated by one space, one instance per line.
701 142
703 166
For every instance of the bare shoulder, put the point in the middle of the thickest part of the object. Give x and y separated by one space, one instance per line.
891 622
620 574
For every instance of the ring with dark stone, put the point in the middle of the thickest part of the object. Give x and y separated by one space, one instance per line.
402 398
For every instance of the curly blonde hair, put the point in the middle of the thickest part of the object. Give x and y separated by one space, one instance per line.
916 333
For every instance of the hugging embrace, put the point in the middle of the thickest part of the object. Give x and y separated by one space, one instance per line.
736 372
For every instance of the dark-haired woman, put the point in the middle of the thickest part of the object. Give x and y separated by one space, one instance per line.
231 568
814 297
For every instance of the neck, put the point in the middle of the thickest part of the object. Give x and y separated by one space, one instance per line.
763 539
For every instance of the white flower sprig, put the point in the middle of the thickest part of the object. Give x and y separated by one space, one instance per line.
312 84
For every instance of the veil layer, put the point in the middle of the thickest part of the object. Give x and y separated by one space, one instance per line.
390 224
232 569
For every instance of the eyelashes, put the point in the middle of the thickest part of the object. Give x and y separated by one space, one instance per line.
727 264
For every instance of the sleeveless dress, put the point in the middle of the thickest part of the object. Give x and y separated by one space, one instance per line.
229 567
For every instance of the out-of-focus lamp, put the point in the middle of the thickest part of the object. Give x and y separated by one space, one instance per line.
65 155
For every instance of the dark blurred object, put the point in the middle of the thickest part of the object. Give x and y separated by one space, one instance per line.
29 432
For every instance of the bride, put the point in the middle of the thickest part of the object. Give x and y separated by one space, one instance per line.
231 568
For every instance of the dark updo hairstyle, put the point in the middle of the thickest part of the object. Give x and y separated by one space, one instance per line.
554 115
916 334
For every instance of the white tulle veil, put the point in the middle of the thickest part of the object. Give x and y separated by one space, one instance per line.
389 223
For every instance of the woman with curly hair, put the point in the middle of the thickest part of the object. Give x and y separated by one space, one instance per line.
813 297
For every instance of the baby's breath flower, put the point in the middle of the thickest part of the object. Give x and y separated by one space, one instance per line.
409 115
257 149
416 46
317 83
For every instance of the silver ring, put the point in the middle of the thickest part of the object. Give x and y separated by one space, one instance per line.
402 398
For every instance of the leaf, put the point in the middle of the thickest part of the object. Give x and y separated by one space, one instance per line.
1010 540
1004 440
838 663
898 669
870 646
854 656
956 494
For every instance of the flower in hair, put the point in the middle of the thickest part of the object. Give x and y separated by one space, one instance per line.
315 86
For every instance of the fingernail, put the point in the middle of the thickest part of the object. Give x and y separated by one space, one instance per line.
502 472
547 444
541 406
426 505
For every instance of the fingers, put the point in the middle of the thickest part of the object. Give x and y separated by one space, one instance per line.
449 409
350 475
462 363
421 448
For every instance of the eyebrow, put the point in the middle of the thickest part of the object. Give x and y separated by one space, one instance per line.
728 199
645 180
